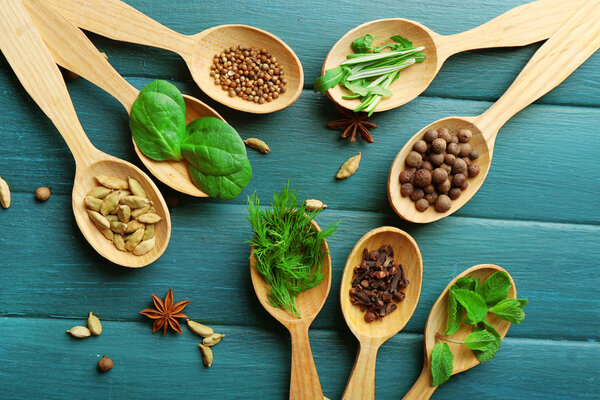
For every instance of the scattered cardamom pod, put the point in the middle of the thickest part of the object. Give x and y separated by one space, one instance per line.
314 204
119 242
212 339
349 167
136 188
124 214
110 203
79 332
139 211
118 227
108 234
258 144
134 239
112 182
144 246
148 232
199 329
4 193
94 324
112 218
93 203
42 193
105 364
133 226
207 355
149 218
99 192
98 219
135 201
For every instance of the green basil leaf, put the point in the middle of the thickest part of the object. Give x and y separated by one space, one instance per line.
480 340
441 363
224 187
166 88
158 126
490 352
213 147
330 79
404 42
473 304
455 313
495 288
509 310
363 44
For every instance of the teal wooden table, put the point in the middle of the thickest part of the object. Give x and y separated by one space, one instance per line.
537 216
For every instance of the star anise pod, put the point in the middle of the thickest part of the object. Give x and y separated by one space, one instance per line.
352 122
165 313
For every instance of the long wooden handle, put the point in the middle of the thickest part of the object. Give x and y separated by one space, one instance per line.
562 54
520 26
422 389
32 63
361 384
117 20
304 381
71 49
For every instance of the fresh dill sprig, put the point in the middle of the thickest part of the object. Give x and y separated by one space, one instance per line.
288 251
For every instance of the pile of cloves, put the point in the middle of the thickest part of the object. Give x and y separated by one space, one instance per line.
377 283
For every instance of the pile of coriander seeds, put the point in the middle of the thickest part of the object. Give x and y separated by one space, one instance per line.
437 169
252 74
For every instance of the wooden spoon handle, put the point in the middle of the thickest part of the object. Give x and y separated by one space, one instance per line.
117 20
71 49
422 389
523 25
562 54
304 381
361 384
32 63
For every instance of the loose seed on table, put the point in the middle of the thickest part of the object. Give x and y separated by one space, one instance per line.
79 332
94 324
105 364
42 193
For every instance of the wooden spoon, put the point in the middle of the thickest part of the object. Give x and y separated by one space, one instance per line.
304 381
72 50
32 63
562 54
520 26
464 358
371 335
119 21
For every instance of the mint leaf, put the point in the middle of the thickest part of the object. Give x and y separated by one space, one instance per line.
441 363
330 79
489 353
509 310
363 44
466 282
495 288
473 304
480 340
455 313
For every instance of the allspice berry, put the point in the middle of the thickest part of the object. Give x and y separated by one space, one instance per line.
454 139
439 175
474 155
431 198
417 194
454 193
453 148
420 146
407 175
465 149
444 133
429 189
431 135
42 193
473 170
444 186
422 177
438 145
406 189
446 168
459 180
422 205
464 135
105 364
459 166
443 203
414 159
427 165
436 159
449 159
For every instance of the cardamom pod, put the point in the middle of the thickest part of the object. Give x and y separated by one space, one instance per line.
144 247
108 234
112 218
118 227
212 339
136 188
98 219
119 241
93 203
110 203
124 214
258 144
135 201
349 167
4 193
148 232
112 182
151 210
134 239
79 332
94 324
149 218
314 204
199 329
207 355
99 192
133 226
139 211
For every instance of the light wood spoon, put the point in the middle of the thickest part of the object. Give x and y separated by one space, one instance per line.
520 26
32 63
304 381
371 335
464 358
117 20
562 54
71 49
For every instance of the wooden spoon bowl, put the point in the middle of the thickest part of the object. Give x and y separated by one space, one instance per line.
371 335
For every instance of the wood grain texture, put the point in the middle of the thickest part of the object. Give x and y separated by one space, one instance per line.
537 216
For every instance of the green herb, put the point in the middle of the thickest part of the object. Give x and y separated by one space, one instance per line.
510 310
166 88
224 187
489 353
473 304
288 251
495 288
369 72
480 340
441 363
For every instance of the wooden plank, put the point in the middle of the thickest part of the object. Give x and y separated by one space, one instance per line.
312 28
553 189
41 361
57 274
